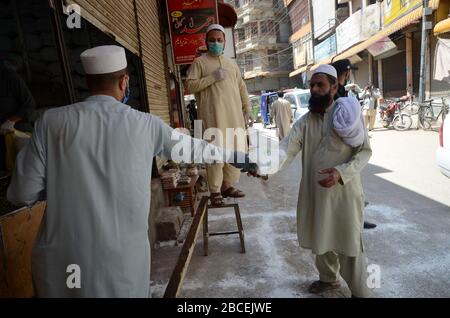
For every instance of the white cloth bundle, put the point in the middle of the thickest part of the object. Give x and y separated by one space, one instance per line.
348 122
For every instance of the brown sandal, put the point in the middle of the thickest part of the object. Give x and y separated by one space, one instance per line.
216 199
233 193
319 287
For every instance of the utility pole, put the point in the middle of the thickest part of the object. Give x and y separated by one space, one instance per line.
426 26
313 42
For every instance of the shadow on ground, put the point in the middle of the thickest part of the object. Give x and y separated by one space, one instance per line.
410 245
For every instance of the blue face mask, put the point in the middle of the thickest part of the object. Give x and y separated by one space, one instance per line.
126 98
216 48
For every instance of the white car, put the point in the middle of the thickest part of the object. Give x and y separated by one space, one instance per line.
443 152
299 99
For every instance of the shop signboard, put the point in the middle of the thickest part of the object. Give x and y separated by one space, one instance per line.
348 33
381 47
299 54
371 21
324 13
358 27
394 9
188 21
325 50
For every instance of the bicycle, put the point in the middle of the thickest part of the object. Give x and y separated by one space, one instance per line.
391 114
426 113
408 104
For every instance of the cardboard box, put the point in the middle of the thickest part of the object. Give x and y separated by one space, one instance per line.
18 232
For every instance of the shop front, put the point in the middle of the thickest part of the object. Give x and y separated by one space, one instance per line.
41 41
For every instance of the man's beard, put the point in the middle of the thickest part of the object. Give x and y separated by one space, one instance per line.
319 103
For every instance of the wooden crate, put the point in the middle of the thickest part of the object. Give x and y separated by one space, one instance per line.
18 232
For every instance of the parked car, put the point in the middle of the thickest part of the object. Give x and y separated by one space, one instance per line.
443 152
299 100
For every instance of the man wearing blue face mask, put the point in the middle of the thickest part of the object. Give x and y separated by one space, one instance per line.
223 103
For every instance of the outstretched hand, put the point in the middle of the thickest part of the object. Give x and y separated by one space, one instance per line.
332 178
248 119
251 168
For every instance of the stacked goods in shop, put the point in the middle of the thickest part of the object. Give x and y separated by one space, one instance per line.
184 180
192 172
170 178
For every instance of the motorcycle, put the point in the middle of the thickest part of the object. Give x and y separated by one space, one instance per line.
391 114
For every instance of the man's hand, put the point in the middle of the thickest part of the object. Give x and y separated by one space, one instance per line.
333 177
220 74
247 166
7 127
248 118
252 170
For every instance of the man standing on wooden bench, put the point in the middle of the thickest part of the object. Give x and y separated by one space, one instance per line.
223 104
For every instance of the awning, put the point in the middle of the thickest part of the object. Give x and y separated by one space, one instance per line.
442 27
258 74
300 33
298 71
401 23
408 19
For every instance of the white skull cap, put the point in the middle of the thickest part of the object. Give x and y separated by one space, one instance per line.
326 69
215 27
104 59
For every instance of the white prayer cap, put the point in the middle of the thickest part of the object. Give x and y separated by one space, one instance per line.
326 69
104 59
215 27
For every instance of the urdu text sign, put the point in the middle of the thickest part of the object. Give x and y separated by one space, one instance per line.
188 21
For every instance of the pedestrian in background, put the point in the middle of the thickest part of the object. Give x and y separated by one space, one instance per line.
282 114
370 98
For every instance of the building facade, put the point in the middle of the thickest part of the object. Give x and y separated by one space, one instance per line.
263 51
382 38
302 36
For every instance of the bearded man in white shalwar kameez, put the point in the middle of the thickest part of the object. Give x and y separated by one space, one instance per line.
331 198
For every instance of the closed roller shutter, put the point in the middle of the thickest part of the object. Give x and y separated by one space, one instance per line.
114 17
153 58
118 19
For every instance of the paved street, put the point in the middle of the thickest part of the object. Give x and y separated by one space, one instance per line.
409 201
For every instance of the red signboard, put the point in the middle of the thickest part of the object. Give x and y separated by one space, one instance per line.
188 21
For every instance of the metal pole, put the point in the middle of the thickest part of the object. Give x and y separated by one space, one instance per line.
380 76
424 51
409 62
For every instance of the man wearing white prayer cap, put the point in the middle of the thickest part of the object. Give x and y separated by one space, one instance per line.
223 103
92 162
331 199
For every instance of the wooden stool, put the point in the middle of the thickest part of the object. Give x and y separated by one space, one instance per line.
240 231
